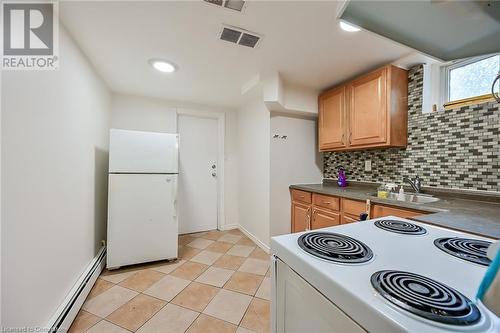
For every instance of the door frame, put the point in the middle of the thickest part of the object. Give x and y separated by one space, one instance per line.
221 125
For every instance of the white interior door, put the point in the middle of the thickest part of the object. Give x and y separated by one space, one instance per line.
198 164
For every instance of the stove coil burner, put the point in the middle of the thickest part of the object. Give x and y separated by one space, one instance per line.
425 297
335 247
473 250
400 227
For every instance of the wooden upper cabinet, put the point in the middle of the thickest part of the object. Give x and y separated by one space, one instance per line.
331 119
370 111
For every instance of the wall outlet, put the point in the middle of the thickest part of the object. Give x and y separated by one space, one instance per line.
368 165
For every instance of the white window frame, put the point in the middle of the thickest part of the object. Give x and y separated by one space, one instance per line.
445 74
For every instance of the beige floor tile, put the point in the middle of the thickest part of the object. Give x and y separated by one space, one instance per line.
258 253
246 241
198 234
244 330
200 243
207 324
229 262
196 296
170 319
99 287
106 327
136 312
228 305
185 239
83 321
246 283
213 235
118 275
255 266
167 288
230 238
215 276
110 300
264 290
169 267
221 247
257 317
187 252
189 271
236 232
241 250
142 280
206 257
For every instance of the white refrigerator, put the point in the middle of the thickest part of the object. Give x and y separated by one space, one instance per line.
142 194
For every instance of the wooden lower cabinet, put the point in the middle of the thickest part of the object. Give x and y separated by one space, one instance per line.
346 218
300 216
353 208
378 210
315 211
323 219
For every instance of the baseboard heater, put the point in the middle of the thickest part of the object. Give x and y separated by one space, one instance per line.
68 310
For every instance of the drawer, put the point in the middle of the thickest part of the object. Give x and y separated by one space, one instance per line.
302 196
324 219
349 219
353 207
325 201
381 211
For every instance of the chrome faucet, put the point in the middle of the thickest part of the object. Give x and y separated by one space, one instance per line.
416 184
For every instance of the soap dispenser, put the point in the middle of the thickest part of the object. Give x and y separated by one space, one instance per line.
341 181
401 194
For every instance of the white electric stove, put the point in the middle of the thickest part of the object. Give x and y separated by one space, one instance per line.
387 275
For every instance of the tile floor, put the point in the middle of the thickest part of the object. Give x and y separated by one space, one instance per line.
220 283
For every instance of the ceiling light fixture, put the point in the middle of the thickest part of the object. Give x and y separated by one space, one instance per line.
348 27
163 65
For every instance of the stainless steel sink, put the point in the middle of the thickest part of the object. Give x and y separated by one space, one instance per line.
411 197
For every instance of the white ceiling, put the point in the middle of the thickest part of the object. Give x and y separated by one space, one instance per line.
302 41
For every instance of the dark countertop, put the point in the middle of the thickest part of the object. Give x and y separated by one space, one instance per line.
451 211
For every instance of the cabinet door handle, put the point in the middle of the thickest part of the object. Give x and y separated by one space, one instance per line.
350 136
326 202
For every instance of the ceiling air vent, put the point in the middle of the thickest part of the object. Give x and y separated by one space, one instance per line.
230 35
230 4
240 36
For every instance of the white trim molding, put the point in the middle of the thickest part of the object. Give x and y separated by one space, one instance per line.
254 239
221 128
67 311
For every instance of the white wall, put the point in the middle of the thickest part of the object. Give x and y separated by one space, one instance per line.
293 161
253 160
54 140
156 115
143 114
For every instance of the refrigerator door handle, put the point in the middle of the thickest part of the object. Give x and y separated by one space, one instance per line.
174 196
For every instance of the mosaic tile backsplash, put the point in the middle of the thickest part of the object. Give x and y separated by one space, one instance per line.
457 149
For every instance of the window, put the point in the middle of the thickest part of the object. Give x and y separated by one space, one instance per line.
471 79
